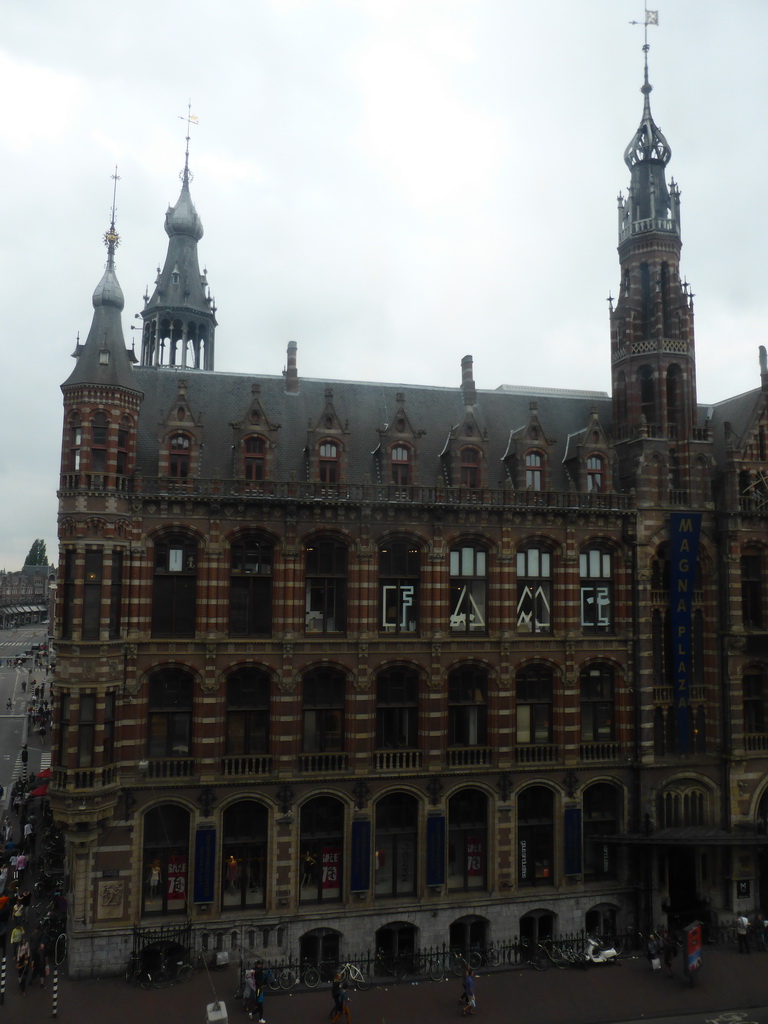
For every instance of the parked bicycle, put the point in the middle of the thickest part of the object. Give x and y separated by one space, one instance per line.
136 972
171 971
352 974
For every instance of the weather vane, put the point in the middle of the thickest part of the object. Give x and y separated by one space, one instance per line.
186 175
651 18
111 237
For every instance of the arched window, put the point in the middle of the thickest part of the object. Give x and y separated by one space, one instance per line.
469 583
534 704
244 855
468 840
399 574
397 709
320 850
595 474
467 707
165 870
533 471
534 589
596 571
250 587
597 709
395 857
170 714
323 693
99 431
674 398
328 462
178 456
535 836
401 465
174 586
326 586
247 712
470 467
647 394
602 817
255 460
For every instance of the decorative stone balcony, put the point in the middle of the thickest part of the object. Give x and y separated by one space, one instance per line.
241 765
468 757
333 762
397 760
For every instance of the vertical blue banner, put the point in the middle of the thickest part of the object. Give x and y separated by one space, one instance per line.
572 836
360 879
436 849
684 532
205 865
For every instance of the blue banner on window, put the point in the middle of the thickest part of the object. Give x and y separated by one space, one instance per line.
684 531
205 865
361 856
436 850
572 841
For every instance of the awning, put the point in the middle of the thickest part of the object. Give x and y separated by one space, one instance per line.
39 791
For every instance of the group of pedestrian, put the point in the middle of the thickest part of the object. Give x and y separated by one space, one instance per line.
662 947
745 928
253 992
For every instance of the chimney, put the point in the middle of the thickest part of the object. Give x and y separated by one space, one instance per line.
291 373
763 368
467 383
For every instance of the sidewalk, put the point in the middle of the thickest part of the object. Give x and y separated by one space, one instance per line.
625 992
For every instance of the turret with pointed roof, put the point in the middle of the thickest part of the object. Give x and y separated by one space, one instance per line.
180 317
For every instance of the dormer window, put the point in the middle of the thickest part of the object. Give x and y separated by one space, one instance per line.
255 458
328 463
178 457
533 471
401 465
595 473
470 467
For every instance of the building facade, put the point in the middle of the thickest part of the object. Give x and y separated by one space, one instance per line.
345 665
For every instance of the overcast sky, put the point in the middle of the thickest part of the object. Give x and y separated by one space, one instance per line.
393 184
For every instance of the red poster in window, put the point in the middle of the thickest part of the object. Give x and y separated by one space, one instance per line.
474 857
177 880
331 862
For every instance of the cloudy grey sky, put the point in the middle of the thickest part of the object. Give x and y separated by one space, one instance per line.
393 184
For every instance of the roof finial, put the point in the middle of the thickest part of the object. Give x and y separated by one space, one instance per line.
651 18
191 119
111 237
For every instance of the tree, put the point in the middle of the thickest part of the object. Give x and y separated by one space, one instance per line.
37 554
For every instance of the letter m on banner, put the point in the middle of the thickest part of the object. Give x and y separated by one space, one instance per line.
684 532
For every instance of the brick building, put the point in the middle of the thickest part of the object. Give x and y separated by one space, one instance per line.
345 665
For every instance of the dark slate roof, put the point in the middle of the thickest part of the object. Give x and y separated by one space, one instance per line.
738 411
217 400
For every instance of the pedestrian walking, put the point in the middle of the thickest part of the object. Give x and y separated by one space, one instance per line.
259 984
670 950
742 933
21 863
759 925
469 987
343 1009
23 965
338 978
17 936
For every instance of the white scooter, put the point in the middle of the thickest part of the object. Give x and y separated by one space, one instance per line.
597 953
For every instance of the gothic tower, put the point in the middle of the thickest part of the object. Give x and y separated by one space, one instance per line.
652 340
180 317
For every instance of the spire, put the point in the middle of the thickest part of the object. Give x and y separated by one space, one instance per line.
103 358
180 316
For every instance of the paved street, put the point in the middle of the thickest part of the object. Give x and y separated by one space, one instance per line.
733 989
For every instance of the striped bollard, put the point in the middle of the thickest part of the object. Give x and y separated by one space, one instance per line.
2 981
55 1009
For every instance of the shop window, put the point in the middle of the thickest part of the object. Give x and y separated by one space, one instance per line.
535 831
250 587
244 855
468 840
397 709
323 702
399 574
326 587
534 590
247 712
174 586
468 569
395 856
321 848
596 572
170 713
165 870
467 707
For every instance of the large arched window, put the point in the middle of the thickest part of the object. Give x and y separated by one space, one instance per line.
469 585
535 832
326 586
395 857
534 589
399 575
468 840
320 850
170 713
596 572
165 868
244 855
250 587
174 586
247 712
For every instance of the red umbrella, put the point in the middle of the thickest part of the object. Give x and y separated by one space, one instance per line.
40 791
44 774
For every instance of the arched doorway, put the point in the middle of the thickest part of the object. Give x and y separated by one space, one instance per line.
535 926
468 934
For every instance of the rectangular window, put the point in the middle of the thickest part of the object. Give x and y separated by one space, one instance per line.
754 707
752 591
63 738
534 591
86 729
109 728
92 594
115 594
